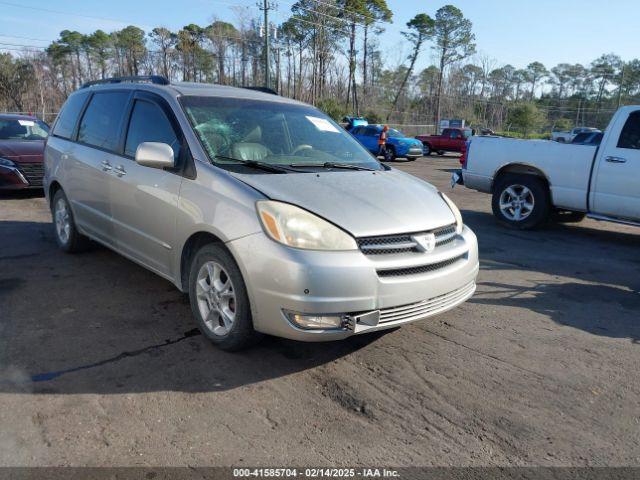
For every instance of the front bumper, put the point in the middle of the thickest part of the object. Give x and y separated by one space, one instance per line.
280 279
12 178
413 152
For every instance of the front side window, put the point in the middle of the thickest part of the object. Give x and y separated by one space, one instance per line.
149 124
277 133
372 132
23 129
100 124
630 136
66 121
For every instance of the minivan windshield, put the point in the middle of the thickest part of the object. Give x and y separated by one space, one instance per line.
274 133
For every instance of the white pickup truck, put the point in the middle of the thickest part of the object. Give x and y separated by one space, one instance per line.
532 179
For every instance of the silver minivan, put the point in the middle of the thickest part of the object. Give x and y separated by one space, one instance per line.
270 215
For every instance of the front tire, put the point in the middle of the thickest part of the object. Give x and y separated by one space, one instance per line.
67 236
426 149
521 201
219 299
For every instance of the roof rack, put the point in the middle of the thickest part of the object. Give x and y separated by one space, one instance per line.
157 79
262 89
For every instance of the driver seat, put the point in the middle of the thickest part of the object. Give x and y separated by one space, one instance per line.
250 148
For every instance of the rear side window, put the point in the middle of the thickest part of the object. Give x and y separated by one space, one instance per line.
149 124
100 124
630 136
68 117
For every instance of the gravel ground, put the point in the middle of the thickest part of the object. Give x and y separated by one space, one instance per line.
101 365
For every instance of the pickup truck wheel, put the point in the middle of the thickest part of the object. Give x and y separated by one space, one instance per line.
67 236
219 299
426 149
520 201
441 152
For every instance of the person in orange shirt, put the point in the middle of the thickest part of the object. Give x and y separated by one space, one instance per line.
382 142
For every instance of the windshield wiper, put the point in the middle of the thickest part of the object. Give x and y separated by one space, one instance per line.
345 166
267 167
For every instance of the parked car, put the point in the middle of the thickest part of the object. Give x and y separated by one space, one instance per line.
451 140
22 141
567 137
530 178
269 214
352 122
588 138
398 145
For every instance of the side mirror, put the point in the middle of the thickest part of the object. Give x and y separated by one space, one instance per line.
155 155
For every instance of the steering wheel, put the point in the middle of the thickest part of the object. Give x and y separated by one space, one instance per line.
301 148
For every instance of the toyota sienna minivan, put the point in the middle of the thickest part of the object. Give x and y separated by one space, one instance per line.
270 215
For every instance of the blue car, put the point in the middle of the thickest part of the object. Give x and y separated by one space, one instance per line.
398 146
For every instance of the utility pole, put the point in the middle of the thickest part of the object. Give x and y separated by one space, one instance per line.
621 85
265 7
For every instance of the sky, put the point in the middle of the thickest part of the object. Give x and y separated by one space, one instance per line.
508 31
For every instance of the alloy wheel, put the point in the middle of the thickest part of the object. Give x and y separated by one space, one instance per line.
216 298
517 203
62 220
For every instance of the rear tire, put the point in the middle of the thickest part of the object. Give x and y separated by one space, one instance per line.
520 201
441 152
219 299
67 236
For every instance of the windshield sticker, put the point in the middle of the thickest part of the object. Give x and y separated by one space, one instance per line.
26 123
322 124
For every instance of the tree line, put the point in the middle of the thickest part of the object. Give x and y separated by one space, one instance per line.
330 53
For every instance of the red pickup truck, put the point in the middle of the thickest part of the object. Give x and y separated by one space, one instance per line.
451 140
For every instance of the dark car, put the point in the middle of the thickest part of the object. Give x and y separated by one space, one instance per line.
22 141
588 138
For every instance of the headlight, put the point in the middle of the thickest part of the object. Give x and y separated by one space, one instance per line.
298 228
6 163
456 213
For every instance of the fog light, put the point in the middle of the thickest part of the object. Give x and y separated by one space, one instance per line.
316 322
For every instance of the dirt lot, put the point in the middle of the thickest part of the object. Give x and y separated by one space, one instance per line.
100 363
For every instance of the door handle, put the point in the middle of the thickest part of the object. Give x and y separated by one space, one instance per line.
106 166
120 171
615 160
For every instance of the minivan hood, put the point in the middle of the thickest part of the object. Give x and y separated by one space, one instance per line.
362 203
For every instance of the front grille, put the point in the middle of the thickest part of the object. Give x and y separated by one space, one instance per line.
33 172
416 311
388 244
418 269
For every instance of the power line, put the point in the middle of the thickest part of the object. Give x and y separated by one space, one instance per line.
24 38
58 12
373 19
